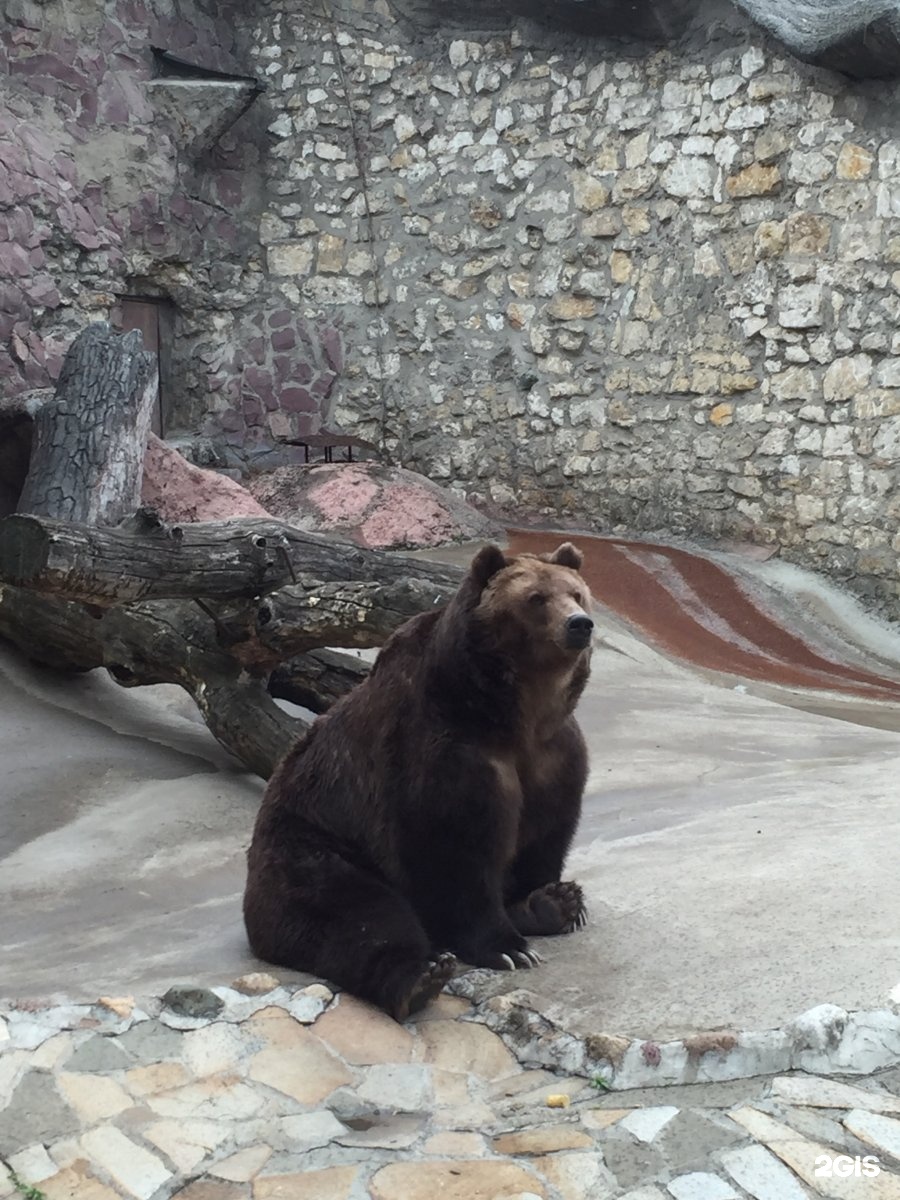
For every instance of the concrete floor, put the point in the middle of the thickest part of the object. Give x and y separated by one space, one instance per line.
739 854
740 858
122 831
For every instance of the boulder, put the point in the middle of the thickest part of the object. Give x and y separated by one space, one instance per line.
380 507
179 491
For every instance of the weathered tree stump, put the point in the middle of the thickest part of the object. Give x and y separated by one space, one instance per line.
87 449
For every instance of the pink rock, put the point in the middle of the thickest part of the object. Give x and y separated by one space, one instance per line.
344 496
384 508
179 491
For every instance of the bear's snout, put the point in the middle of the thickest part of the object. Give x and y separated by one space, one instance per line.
578 631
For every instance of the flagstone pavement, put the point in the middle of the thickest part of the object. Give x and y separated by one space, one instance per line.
270 1092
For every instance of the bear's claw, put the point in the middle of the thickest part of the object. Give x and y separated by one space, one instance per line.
527 958
570 899
524 959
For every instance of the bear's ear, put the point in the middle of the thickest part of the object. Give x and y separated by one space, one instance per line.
486 563
567 555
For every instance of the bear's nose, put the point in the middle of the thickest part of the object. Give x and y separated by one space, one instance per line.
578 631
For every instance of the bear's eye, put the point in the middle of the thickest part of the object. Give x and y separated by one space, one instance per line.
537 599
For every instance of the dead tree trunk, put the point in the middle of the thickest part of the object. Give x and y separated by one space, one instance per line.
216 608
87 449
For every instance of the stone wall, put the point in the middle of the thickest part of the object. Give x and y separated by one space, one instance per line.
93 190
646 289
634 288
109 188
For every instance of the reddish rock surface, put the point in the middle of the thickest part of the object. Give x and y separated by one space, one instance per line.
695 609
179 491
384 508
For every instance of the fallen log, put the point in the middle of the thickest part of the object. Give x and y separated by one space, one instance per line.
51 632
156 642
223 658
349 614
146 559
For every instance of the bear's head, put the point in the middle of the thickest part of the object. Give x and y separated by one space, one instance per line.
535 605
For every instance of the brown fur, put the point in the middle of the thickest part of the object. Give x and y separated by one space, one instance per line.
432 808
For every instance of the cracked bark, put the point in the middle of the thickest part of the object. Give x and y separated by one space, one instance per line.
145 559
87 449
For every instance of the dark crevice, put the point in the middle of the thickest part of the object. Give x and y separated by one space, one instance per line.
851 36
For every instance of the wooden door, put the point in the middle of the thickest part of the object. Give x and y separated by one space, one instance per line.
144 314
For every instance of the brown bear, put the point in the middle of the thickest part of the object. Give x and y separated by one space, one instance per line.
427 815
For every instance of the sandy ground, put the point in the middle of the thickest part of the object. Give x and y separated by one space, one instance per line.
739 855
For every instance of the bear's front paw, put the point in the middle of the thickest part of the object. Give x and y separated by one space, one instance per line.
507 953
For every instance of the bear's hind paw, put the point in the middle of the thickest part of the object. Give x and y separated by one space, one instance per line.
552 909
570 899
428 985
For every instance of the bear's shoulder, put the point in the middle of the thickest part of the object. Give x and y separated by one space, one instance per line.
406 645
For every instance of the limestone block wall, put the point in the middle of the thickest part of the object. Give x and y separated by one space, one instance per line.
655 289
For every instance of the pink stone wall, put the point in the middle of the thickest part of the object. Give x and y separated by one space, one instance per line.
100 197
93 189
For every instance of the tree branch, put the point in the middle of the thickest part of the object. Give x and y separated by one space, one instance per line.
317 679
347 614
157 642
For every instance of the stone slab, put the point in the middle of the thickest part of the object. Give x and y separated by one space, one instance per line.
831 1093
332 1183
453 1181
881 1133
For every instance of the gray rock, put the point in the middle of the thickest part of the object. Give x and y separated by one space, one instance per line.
393 1133
194 1002
36 1113
99 1054
151 1041
349 1108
